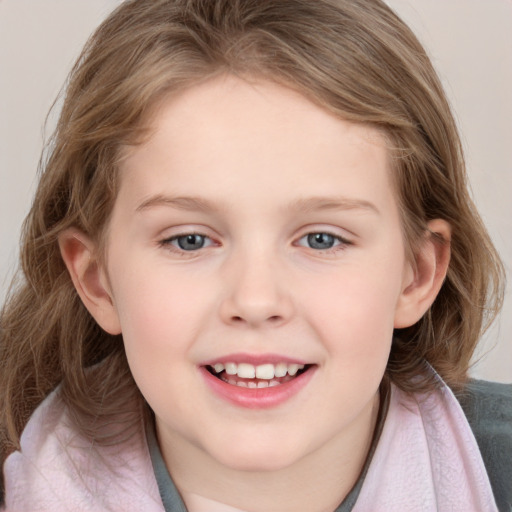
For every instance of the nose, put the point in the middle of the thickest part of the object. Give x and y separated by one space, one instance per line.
256 293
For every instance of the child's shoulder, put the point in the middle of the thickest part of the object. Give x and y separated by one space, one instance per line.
59 467
488 409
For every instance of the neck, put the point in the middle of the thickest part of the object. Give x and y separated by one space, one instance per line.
318 482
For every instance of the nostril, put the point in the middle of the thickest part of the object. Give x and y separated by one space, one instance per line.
272 319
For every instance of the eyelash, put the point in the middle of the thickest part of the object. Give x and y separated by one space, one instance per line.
169 243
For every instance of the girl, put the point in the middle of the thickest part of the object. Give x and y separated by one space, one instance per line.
253 275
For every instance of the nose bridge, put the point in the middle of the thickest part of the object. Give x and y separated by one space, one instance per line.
255 287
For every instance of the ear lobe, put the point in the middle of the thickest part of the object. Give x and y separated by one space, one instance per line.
78 253
423 282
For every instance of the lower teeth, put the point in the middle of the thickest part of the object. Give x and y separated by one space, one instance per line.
252 384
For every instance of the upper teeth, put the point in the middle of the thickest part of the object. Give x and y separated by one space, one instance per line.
263 371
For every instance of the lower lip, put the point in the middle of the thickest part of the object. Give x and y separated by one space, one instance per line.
257 398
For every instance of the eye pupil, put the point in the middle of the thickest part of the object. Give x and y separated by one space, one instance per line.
320 240
190 242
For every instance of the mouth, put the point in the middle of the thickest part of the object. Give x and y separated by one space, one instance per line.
246 375
257 386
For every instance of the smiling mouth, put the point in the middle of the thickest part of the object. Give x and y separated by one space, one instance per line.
246 375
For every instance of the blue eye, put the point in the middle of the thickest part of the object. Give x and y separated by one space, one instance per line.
322 241
188 242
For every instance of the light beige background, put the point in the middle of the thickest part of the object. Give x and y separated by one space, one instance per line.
470 42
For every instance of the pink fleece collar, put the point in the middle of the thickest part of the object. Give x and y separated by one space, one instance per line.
427 459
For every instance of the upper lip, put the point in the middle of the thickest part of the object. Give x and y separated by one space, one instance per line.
254 359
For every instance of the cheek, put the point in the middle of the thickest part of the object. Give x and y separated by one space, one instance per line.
354 313
158 312
159 319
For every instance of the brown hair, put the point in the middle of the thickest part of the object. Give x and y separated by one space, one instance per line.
355 58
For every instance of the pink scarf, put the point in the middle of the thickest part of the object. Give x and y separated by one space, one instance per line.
427 460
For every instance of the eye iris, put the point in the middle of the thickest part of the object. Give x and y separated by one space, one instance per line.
320 240
190 242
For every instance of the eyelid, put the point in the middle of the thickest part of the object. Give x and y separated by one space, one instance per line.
183 230
337 232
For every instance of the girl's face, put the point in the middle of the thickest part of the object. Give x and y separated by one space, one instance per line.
255 233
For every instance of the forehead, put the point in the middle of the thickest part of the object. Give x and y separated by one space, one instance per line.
226 134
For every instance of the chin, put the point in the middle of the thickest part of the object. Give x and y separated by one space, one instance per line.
256 458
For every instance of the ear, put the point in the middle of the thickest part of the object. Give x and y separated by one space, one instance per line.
423 281
90 280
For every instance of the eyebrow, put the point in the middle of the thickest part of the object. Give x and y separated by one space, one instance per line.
311 204
305 205
179 203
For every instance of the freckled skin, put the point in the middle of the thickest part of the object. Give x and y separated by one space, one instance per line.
257 286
